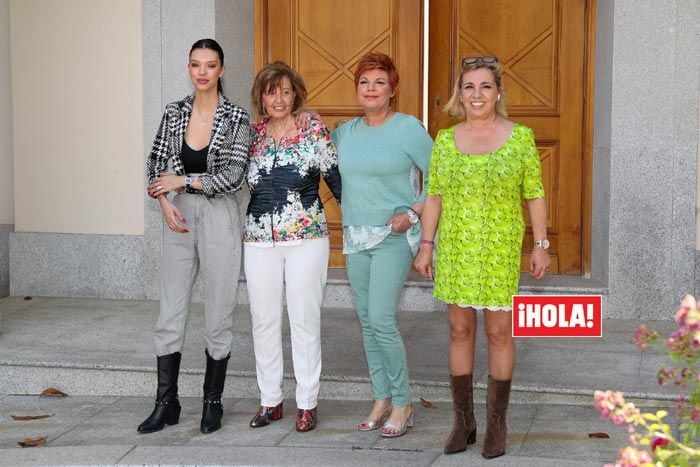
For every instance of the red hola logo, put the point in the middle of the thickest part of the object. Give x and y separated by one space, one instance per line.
557 316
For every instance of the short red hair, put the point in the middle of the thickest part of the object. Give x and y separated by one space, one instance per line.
377 61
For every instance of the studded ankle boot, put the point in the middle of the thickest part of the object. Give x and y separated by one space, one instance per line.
167 409
214 378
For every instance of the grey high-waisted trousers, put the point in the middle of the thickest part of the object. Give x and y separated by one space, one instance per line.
212 248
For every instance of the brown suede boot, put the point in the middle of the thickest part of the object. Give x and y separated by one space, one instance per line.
497 395
464 424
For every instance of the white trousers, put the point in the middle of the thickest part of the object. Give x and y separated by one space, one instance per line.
212 249
303 269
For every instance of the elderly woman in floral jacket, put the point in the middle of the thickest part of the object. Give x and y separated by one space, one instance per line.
286 240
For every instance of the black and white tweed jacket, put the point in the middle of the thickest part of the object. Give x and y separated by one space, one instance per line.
227 159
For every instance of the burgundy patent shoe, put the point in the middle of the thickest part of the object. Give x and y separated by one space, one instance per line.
265 415
306 419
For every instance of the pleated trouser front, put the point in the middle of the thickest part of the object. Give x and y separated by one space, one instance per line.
212 249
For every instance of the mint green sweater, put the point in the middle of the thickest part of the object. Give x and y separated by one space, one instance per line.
375 166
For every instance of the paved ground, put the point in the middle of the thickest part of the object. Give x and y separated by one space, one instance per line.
101 353
102 430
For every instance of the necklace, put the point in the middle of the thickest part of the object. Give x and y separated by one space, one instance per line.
205 119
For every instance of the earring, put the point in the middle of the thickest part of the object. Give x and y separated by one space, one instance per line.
498 97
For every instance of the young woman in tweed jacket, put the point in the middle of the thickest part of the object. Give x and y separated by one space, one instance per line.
200 153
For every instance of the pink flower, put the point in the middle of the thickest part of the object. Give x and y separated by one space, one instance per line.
695 415
612 405
687 304
629 412
631 457
665 374
656 442
680 406
617 419
681 315
642 336
695 339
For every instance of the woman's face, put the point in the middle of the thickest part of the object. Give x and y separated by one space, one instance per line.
205 69
479 93
374 90
279 102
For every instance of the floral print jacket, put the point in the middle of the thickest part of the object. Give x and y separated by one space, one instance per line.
284 181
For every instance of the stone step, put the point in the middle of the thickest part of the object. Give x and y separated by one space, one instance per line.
105 347
418 292
27 378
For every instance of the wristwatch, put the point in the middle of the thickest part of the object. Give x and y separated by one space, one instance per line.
188 182
412 216
543 243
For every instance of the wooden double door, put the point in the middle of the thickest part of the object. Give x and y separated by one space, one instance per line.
541 44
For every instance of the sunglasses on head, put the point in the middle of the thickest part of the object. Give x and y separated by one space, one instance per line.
480 61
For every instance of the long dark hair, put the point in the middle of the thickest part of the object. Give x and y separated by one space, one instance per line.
211 44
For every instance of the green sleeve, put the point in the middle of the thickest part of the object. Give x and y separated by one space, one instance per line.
532 171
435 188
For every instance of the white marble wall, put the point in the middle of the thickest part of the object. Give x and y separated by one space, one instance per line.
652 156
6 154
5 230
73 265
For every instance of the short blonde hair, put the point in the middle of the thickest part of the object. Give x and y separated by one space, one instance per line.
454 107
270 77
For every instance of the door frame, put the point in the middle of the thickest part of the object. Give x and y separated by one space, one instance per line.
587 140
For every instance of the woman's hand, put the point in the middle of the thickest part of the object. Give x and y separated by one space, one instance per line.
539 262
303 119
165 183
172 215
424 261
399 223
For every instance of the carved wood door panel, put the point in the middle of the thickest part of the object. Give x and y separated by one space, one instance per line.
541 45
323 40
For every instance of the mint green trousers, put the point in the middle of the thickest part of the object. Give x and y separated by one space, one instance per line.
377 277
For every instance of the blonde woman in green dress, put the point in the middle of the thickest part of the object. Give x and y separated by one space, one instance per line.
480 170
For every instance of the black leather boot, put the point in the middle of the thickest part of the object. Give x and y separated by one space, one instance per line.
213 388
167 408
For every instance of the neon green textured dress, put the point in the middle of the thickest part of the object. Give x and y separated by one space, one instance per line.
481 223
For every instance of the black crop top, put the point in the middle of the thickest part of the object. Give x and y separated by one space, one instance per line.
194 162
